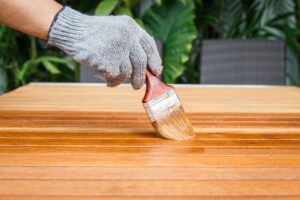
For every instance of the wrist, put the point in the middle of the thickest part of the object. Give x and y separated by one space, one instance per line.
47 19
66 29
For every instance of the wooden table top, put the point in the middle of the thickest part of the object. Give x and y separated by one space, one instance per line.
76 141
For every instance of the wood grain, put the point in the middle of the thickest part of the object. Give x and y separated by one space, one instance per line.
148 173
56 197
148 188
77 141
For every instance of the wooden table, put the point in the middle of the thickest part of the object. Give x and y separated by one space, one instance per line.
86 141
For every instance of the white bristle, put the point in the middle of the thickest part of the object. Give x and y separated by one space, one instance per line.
168 117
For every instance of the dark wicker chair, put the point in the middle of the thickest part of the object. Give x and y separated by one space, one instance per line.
253 62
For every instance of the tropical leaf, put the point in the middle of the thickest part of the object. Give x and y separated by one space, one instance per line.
3 80
106 7
47 61
145 5
125 11
50 67
131 3
25 69
231 18
64 61
280 18
252 23
172 23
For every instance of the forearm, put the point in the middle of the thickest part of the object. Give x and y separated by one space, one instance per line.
33 17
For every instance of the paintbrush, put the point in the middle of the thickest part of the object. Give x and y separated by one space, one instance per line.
165 110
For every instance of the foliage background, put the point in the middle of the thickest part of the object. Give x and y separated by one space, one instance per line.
181 25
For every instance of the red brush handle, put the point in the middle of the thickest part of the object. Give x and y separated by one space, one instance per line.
154 87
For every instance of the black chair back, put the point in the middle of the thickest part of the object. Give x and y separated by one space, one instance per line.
242 61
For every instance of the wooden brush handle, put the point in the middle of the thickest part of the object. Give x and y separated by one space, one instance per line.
154 87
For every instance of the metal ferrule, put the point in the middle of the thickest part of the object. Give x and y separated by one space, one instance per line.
162 105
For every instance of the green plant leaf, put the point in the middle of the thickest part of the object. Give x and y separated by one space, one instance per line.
3 80
172 23
125 11
50 67
145 5
57 60
252 26
26 68
131 3
158 2
106 7
140 22
280 17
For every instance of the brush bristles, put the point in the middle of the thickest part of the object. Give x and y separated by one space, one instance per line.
174 125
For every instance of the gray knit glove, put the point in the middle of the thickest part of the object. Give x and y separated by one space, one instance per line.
115 45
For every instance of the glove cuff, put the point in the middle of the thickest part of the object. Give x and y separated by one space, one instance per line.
66 29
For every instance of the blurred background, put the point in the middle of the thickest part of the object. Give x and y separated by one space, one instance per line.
181 27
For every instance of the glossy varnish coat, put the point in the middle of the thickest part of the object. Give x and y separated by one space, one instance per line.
89 141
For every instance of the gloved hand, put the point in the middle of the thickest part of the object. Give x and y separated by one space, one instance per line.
116 45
